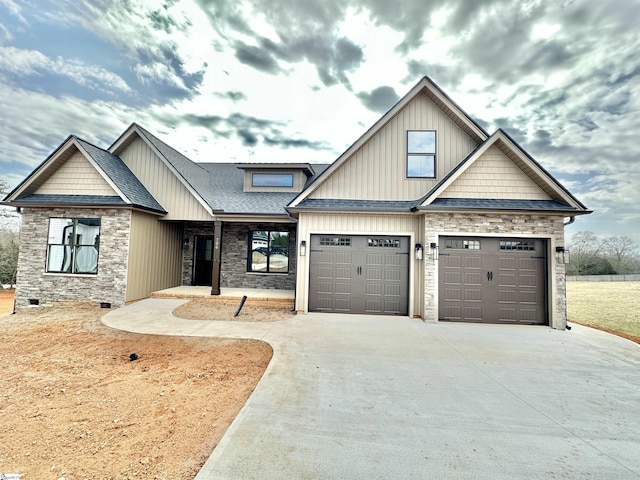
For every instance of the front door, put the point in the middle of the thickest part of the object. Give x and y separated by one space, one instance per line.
203 260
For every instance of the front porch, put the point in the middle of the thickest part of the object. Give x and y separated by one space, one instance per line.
255 296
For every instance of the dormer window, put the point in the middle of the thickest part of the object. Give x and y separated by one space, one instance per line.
272 180
421 154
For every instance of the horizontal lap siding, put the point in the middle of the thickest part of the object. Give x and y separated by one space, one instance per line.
494 175
76 177
377 171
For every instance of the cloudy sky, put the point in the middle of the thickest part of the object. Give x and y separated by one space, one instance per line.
300 80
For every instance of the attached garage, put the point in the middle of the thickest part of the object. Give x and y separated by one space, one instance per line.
493 280
359 274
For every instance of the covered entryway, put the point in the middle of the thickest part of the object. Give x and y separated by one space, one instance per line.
493 280
359 274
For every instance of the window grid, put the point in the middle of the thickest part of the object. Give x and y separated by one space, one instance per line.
335 241
517 245
383 243
462 244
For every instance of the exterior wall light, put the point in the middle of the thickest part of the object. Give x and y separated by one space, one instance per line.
185 242
433 247
303 248
562 256
418 251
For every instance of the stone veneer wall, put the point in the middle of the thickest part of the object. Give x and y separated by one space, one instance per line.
108 285
551 227
235 244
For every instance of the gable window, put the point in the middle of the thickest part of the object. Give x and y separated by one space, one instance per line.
268 251
73 245
272 180
421 154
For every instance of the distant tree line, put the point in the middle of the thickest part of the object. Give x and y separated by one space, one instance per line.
593 255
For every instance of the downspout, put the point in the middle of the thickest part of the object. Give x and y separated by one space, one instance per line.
571 220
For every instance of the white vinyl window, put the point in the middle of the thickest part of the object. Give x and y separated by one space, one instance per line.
73 245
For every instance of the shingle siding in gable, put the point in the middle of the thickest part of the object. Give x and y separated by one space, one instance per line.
76 177
494 175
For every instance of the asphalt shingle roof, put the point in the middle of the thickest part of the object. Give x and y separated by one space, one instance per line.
122 177
54 199
498 204
351 205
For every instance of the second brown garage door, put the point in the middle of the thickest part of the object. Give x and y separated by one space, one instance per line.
359 274
493 280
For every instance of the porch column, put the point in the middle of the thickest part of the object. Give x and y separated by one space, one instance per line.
217 256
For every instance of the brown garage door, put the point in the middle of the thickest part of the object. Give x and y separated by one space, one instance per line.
493 280
359 274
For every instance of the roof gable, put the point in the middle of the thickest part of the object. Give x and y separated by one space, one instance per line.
191 175
80 172
498 150
425 87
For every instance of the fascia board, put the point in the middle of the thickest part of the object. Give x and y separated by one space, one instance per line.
40 170
424 83
101 172
133 128
469 161
365 137
549 180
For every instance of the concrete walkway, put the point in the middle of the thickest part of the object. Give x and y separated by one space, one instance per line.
368 397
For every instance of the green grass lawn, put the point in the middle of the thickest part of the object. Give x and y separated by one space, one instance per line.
610 306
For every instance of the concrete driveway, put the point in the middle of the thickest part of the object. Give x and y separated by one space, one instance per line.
368 397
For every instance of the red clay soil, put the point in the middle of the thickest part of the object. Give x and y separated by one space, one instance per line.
74 406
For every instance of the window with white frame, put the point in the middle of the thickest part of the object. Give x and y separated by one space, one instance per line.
73 245
421 154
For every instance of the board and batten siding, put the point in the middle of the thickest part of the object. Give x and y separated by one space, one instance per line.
76 177
378 170
155 255
494 175
162 183
362 224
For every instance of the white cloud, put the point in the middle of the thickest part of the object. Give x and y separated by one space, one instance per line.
32 62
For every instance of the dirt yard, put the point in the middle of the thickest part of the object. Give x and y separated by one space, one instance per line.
73 405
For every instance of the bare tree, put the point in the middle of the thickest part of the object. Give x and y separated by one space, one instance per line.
584 247
622 253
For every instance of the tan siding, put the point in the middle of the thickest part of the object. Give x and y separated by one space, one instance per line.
76 177
162 183
313 223
155 256
377 171
494 175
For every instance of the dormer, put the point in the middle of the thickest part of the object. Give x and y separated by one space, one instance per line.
275 177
